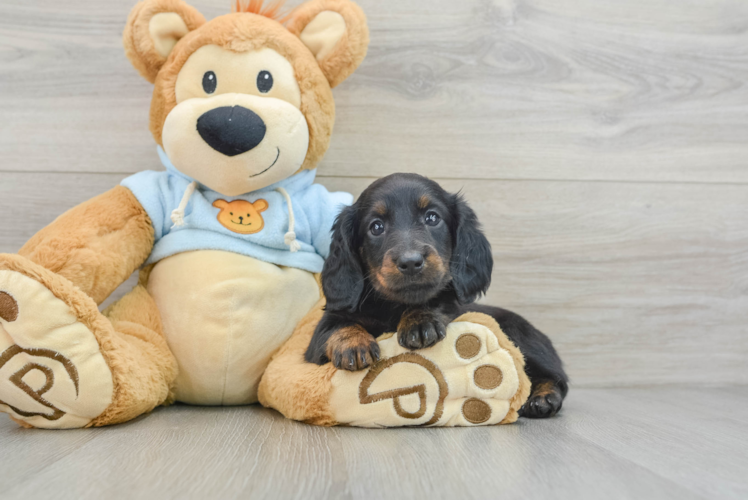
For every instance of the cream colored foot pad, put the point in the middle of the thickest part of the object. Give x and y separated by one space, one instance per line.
466 379
52 373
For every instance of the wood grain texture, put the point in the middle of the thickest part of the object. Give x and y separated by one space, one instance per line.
635 282
606 443
649 90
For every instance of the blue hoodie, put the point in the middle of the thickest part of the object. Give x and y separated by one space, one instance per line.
314 210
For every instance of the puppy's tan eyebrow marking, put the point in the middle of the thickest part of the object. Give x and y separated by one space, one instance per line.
424 201
380 208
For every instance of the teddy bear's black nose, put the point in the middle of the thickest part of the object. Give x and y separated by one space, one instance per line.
231 130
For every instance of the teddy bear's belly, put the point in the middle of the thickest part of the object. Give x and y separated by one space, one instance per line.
224 315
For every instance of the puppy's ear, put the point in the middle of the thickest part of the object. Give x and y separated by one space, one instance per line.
342 275
153 29
335 31
472 262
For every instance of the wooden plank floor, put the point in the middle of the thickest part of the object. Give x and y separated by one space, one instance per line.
651 442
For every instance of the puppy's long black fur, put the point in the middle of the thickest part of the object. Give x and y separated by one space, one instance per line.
410 257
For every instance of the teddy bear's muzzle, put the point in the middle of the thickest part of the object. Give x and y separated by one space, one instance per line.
231 130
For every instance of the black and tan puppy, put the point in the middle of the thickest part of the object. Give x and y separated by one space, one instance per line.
410 257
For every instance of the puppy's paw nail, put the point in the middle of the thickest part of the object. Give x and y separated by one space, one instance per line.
429 336
375 354
350 362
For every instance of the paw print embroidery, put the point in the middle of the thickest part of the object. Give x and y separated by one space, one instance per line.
240 216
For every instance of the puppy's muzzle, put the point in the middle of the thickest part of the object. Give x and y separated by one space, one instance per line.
231 130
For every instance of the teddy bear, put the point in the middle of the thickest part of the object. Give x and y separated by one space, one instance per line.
230 234
229 239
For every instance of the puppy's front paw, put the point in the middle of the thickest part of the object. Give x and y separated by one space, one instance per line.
419 329
352 348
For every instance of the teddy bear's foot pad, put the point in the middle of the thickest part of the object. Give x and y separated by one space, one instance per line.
465 380
52 371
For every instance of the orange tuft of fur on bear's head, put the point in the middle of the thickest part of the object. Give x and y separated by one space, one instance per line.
273 10
245 68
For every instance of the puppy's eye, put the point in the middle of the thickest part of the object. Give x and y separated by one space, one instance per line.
209 82
264 82
432 219
376 228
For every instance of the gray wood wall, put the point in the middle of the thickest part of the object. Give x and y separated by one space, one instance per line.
604 144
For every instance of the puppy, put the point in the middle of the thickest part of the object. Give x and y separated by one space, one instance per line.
410 257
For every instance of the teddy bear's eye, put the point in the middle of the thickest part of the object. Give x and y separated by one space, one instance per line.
264 82
209 82
231 213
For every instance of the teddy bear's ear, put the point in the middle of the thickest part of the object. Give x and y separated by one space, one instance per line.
152 30
336 33
220 204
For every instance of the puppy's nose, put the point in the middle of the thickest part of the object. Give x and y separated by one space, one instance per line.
410 263
231 130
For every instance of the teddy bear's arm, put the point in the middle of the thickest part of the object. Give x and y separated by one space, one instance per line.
96 245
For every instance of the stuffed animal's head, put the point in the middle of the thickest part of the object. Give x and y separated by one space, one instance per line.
244 101
241 216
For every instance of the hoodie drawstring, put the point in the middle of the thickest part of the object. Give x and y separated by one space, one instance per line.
177 216
290 237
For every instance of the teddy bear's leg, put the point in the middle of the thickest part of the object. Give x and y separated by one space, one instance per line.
475 376
63 364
